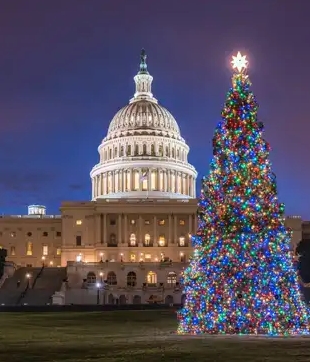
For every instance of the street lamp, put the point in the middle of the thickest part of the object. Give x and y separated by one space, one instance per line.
98 285
101 277
28 276
43 259
101 257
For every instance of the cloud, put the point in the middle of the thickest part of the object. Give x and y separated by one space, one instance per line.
29 181
77 187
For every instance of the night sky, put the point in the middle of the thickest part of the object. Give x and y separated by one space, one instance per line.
66 67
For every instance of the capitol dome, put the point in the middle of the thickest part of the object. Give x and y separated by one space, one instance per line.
143 154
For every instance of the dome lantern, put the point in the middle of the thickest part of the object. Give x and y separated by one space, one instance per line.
143 82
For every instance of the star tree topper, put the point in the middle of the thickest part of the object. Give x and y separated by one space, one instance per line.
239 62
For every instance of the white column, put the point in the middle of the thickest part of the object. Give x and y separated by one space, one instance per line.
92 189
169 229
105 240
125 229
175 229
98 229
119 236
140 232
155 231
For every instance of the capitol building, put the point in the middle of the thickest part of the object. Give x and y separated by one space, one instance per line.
131 241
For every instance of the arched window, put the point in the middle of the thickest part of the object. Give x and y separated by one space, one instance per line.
147 239
136 150
132 240
178 153
162 240
131 279
167 151
160 150
110 153
152 150
112 240
171 278
172 153
144 149
111 278
115 152
151 278
128 150
121 152
91 278
105 155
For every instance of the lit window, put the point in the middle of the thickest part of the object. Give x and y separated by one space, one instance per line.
171 278
12 250
45 250
147 239
181 241
29 247
13 234
148 257
161 222
162 240
79 258
146 222
151 278
182 222
58 251
78 222
153 180
132 258
136 180
133 222
132 240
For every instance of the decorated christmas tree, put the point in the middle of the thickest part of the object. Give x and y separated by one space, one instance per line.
241 278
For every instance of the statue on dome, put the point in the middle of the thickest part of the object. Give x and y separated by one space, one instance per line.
143 65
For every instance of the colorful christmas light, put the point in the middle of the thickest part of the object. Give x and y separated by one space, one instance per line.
241 278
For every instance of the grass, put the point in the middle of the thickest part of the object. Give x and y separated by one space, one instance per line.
129 336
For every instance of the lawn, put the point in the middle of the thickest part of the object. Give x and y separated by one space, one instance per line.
129 336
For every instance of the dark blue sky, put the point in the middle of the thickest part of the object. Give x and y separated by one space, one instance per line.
66 67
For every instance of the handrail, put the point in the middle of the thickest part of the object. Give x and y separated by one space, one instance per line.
38 276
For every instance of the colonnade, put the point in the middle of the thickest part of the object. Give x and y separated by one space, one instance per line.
126 180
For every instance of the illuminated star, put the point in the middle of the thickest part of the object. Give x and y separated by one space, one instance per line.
239 62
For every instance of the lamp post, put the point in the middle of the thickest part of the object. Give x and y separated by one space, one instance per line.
43 260
28 276
98 285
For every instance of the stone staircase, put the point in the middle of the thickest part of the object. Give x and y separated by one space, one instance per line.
11 292
48 282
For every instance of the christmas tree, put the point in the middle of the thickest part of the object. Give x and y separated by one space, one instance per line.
241 278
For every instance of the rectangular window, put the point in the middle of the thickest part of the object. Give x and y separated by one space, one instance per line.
78 240
78 222
182 222
148 257
12 250
146 222
161 222
45 250
58 251
58 234
132 258
29 248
